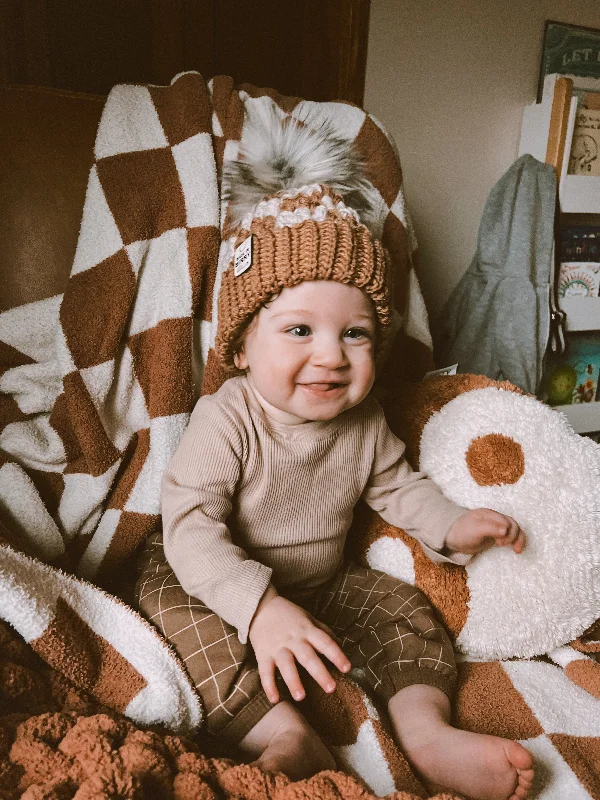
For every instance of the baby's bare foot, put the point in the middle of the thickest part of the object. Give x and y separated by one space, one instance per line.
478 766
475 765
285 742
298 754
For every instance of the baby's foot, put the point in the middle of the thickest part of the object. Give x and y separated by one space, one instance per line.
285 742
478 766
298 754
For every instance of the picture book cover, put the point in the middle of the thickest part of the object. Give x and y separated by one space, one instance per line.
574 376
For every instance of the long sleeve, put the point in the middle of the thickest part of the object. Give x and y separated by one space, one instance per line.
409 499
197 491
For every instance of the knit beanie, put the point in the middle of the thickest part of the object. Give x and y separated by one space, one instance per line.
302 231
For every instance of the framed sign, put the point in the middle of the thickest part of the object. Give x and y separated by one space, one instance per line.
573 51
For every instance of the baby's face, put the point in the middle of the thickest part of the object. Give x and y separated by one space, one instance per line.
310 353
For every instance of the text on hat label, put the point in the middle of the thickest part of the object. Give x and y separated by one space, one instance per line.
242 259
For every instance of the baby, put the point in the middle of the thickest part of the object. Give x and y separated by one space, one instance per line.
249 580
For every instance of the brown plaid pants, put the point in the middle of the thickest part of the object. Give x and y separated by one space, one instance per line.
386 627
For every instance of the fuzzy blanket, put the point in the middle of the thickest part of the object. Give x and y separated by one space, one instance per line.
96 387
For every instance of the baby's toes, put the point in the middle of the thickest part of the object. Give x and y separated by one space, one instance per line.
520 793
525 778
524 784
521 759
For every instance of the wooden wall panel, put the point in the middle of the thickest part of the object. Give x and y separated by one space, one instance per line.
313 48
93 44
199 35
335 50
263 48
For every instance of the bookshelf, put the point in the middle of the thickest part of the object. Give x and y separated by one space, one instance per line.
547 134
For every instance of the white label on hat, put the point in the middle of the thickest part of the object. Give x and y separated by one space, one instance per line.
242 258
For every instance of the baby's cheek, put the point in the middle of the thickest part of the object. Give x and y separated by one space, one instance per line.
367 356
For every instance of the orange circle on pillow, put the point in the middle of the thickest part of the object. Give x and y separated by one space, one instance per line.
495 459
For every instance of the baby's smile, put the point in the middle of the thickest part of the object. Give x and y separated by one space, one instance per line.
309 355
325 389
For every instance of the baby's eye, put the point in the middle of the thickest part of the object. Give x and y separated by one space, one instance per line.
300 330
357 333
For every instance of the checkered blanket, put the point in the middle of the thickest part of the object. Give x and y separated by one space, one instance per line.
96 387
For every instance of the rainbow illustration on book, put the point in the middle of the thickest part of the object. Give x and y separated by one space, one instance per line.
578 280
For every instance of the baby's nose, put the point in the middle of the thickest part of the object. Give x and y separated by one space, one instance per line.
329 353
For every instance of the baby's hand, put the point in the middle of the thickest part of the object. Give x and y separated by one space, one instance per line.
282 633
481 528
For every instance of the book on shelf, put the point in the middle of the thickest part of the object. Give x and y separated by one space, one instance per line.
579 243
579 250
584 158
574 376
579 279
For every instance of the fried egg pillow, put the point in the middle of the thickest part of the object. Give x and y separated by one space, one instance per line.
496 448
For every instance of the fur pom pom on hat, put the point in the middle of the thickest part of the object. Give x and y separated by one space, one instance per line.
296 200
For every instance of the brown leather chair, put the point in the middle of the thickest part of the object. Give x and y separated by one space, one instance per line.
46 151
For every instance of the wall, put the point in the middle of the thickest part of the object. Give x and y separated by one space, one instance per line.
449 79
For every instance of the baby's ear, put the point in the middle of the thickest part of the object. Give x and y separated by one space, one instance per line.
239 358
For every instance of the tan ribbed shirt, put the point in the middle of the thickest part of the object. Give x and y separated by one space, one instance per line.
247 501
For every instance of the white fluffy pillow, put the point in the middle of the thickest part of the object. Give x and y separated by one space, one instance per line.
528 604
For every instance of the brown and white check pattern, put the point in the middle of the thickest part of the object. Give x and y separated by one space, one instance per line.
97 384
